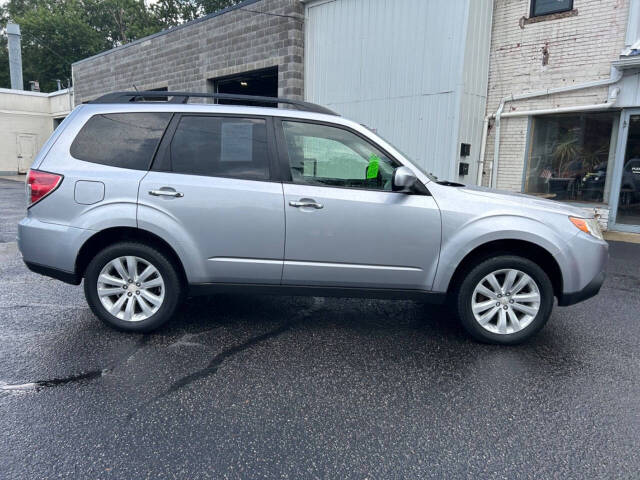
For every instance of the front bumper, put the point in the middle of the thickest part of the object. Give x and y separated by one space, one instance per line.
583 264
591 290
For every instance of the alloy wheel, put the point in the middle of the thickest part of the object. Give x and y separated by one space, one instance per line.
131 288
505 301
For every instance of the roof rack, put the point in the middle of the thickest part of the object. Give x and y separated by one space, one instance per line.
183 97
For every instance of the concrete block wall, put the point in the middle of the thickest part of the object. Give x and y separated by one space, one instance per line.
185 57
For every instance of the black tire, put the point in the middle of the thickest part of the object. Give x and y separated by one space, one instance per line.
173 288
466 287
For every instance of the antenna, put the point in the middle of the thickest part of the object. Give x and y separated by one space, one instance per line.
137 91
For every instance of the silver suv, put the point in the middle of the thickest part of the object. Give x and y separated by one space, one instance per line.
151 200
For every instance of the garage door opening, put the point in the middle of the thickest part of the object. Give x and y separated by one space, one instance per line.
262 83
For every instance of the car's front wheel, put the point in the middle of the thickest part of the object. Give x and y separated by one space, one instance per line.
132 287
504 300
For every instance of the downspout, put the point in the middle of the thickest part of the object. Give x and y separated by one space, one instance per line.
615 77
496 144
483 148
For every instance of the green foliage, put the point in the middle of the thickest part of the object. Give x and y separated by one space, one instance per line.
56 33
210 6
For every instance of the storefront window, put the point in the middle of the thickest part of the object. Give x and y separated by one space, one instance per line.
571 156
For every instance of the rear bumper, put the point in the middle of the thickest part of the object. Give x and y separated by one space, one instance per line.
51 249
66 277
591 290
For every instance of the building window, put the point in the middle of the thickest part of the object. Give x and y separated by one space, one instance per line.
547 7
571 156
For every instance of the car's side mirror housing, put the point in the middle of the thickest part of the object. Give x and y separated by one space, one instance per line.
404 180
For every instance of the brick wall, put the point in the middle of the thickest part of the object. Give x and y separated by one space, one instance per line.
184 57
581 47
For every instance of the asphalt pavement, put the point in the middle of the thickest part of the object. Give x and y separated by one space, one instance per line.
286 387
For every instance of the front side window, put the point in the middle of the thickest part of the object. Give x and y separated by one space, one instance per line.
125 140
221 147
330 156
547 7
569 157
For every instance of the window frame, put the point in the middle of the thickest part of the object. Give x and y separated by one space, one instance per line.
152 158
283 154
162 159
532 7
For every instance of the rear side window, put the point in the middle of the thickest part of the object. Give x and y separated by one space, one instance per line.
221 147
125 140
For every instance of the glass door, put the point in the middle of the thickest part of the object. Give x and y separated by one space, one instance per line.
625 191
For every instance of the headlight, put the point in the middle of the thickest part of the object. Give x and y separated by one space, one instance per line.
588 225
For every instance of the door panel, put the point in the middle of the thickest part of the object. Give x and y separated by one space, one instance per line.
229 215
236 226
360 238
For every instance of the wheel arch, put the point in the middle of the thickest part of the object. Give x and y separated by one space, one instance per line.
522 248
109 236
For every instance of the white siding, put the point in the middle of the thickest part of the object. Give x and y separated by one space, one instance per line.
475 80
398 67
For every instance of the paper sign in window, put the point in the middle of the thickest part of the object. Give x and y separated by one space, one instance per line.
237 142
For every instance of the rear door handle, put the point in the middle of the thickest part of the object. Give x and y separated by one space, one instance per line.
307 203
166 193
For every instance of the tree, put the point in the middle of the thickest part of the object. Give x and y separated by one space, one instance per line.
56 33
121 21
210 6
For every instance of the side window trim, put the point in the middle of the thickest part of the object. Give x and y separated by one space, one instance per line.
168 132
283 151
162 160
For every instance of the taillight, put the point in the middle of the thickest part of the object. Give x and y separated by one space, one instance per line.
40 184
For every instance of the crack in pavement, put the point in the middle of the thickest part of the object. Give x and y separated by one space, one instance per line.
76 377
215 363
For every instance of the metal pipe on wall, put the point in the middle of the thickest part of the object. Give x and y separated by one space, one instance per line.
615 77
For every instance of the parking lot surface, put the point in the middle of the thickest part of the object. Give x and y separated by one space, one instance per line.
285 387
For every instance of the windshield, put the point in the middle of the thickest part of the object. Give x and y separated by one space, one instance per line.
430 175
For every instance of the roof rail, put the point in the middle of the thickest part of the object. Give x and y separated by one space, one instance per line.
183 97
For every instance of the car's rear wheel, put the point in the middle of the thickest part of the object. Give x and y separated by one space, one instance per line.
132 287
504 300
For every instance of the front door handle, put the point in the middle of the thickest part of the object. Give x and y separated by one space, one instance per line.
307 203
166 193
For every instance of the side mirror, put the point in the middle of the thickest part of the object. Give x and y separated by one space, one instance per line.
404 180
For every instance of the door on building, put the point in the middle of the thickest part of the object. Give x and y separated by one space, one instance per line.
345 226
625 192
262 83
26 143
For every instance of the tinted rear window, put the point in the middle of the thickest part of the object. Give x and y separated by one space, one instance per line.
221 147
125 140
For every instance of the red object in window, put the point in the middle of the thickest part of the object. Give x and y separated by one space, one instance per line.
40 184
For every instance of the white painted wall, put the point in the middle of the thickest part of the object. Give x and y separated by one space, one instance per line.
405 68
26 121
